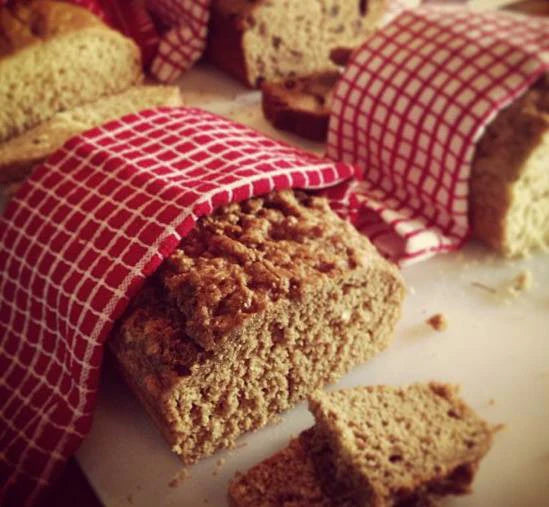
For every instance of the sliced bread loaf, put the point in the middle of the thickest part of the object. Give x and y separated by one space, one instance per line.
55 56
373 446
20 154
270 41
262 303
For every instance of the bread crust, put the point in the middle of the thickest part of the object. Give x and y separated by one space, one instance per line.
225 42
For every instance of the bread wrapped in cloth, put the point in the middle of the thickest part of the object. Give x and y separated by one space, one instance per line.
509 183
55 56
373 446
262 303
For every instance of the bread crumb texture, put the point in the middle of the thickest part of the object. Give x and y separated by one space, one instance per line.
375 446
263 302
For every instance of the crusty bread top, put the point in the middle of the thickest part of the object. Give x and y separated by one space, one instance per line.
28 23
256 252
233 264
19 154
392 440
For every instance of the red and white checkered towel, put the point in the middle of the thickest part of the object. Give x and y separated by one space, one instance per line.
87 228
411 105
77 242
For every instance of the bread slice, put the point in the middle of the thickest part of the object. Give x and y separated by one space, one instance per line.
287 478
301 106
509 198
55 56
262 303
20 154
271 41
393 444
375 446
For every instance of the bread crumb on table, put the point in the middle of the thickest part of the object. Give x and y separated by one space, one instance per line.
219 464
438 322
520 283
179 478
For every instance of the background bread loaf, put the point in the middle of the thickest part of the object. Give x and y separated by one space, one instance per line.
55 56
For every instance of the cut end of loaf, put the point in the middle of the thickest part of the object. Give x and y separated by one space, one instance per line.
267 301
271 41
510 177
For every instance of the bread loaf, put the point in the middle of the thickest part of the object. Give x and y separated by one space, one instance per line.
509 200
269 41
20 154
55 56
374 446
262 303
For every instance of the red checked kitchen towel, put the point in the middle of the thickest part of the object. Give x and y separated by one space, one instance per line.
78 240
411 104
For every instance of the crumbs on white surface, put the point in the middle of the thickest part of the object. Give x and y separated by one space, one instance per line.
179 478
411 290
521 282
438 322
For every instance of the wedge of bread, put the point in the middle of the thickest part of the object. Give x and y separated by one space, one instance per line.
55 56
374 446
301 106
20 154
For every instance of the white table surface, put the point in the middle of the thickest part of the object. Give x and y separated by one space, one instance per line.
496 347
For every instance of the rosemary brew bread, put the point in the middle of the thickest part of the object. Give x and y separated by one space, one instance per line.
55 56
262 303
374 446
270 40
20 154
